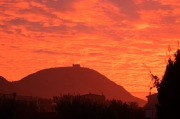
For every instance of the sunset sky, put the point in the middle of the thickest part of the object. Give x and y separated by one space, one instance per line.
113 37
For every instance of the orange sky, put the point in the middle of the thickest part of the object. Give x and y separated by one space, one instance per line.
113 37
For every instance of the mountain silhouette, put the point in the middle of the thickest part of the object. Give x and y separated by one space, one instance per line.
67 80
3 80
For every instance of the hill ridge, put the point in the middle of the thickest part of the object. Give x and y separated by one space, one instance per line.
69 80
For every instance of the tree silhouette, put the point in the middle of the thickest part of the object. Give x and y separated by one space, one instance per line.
70 107
76 107
7 107
169 89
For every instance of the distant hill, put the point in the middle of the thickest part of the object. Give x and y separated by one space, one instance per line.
3 80
67 80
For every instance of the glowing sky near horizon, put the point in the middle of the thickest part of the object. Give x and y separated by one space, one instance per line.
113 37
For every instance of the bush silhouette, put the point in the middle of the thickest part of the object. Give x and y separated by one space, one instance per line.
71 107
7 107
10 108
169 89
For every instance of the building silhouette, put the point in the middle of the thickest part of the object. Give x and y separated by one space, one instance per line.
150 108
76 66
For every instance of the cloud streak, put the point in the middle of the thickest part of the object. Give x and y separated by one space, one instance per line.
113 37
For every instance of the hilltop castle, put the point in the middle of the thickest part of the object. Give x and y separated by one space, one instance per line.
76 65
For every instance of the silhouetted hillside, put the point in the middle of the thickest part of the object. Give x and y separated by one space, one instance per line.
9 87
4 85
70 80
3 80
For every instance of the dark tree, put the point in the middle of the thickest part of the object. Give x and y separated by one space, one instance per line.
169 90
76 107
7 107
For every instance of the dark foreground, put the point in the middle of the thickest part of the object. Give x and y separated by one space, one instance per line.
71 107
